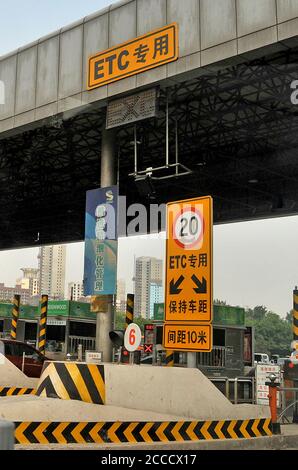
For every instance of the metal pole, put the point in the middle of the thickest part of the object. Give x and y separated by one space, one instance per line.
43 324
104 321
167 130
15 316
136 150
176 147
295 315
129 309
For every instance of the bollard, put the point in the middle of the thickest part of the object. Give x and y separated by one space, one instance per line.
15 316
129 309
6 435
43 324
273 386
170 358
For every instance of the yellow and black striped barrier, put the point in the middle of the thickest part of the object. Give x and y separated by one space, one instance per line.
13 391
43 324
295 315
169 358
15 316
137 432
129 309
73 381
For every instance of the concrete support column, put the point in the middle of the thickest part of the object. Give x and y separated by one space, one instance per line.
104 321
191 360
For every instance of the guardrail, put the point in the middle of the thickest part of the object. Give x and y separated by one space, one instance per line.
88 343
234 397
216 358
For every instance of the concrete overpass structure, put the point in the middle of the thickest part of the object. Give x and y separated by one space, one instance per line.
231 119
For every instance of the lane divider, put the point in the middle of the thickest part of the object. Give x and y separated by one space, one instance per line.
135 432
12 391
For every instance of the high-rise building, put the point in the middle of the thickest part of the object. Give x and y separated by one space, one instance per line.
75 291
147 271
156 295
52 260
121 296
30 280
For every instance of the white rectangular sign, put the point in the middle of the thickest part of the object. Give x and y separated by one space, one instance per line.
93 357
262 372
53 322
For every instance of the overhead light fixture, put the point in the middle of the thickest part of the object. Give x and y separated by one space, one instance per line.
253 181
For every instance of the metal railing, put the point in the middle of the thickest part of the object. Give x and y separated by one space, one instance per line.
87 342
284 408
216 358
233 395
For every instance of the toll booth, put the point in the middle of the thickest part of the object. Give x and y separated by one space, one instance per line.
68 325
233 343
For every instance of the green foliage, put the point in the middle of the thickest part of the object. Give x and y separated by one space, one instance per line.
273 334
120 321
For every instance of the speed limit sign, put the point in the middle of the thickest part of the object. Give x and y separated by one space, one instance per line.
188 227
132 337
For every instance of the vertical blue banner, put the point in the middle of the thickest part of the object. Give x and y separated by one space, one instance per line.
101 244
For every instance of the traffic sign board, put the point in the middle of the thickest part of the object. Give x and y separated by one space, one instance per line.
189 295
187 337
132 337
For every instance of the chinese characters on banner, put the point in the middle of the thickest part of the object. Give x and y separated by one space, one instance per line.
189 295
262 372
100 269
151 50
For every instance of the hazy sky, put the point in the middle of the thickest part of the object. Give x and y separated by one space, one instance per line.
24 21
254 263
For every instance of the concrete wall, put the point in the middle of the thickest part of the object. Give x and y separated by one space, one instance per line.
174 391
49 76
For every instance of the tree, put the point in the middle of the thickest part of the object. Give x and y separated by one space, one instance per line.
120 321
273 334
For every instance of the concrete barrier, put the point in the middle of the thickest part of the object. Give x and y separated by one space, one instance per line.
6 435
11 376
172 391
73 381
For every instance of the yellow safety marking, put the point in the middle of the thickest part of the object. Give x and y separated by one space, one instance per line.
57 433
144 432
20 437
98 381
160 431
254 427
175 431
22 391
94 433
266 427
14 323
128 432
41 343
190 431
42 332
38 433
56 381
296 299
243 429
10 391
79 382
204 430
218 431
111 432
76 433
231 429
295 329
295 314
